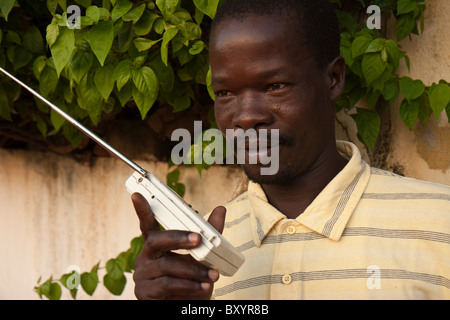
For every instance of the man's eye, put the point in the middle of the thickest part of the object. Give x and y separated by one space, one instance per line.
224 93
275 87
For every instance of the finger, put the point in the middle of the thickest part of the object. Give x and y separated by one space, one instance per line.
167 288
217 218
178 266
147 221
161 242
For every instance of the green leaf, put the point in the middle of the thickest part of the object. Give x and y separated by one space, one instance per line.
52 5
93 12
51 290
394 52
5 112
48 81
447 110
32 40
40 124
373 66
360 45
167 6
21 57
5 7
121 8
81 63
89 280
38 66
409 111
115 268
125 94
197 47
101 38
122 73
115 286
144 44
52 33
376 45
136 245
170 33
56 119
134 14
172 182
84 3
145 81
208 7
368 123
72 134
62 49
425 110
390 90
439 97
144 102
405 6
103 79
405 25
165 74
90 99
209 84
411 89
145 23
190 30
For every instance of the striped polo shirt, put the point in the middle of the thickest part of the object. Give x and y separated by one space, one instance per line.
370 234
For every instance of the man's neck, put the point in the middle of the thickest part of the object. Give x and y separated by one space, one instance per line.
292 199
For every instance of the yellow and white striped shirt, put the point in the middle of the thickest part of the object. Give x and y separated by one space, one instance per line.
370 234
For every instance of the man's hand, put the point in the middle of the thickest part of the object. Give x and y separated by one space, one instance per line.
162 274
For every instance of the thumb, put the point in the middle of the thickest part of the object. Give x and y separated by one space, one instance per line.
217 218
147 221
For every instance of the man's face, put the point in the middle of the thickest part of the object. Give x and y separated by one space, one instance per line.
264 79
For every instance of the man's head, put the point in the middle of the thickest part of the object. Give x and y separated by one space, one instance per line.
314 23
276 65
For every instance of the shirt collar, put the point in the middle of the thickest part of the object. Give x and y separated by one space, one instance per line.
330 212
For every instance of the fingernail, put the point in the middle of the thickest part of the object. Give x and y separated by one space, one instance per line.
205 286
213 275
193 237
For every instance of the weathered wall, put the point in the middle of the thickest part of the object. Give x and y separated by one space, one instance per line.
424 152
56 212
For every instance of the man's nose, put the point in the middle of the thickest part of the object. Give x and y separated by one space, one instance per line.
252 112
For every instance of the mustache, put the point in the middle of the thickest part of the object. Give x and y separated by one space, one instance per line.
252 138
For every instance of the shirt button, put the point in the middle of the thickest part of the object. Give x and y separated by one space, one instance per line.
291 230
286 279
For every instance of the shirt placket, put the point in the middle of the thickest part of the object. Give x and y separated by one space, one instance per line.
288 250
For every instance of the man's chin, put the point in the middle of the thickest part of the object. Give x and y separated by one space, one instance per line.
253 173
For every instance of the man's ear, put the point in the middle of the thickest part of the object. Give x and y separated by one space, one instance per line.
336 77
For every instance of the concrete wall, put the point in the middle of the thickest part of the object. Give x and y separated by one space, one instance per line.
424 153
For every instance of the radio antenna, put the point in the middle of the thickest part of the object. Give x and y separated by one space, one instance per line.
79 126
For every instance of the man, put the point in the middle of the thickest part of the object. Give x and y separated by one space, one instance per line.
326 226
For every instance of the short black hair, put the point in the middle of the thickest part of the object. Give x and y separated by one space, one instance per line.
316 22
